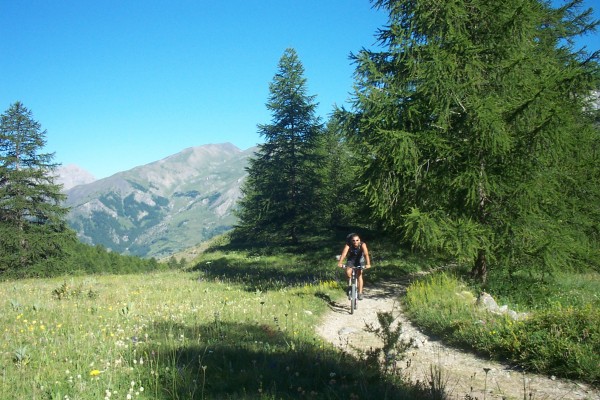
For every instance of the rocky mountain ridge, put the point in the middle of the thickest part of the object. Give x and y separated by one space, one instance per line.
163 207
73 175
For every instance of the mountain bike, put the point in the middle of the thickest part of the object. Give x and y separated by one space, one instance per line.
353 291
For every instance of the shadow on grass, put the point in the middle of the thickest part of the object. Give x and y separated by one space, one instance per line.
221 360
261 275
262 266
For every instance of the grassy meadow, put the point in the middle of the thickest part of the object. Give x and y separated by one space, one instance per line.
239 324
232 325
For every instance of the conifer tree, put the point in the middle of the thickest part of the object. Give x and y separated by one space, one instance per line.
471 122
344 202
283 190
32 225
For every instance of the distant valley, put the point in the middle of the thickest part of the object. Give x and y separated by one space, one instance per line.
158 209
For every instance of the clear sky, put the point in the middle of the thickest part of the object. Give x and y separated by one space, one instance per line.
118 84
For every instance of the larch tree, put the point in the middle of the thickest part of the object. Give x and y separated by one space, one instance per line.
32 219
282 192
345 201
471 127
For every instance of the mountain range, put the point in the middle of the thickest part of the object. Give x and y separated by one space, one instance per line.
158 209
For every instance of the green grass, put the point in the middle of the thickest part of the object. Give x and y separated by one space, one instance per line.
560 336
234 325
239 323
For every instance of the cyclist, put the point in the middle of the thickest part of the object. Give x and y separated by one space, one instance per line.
356 254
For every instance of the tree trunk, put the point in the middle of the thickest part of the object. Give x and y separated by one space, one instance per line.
479 270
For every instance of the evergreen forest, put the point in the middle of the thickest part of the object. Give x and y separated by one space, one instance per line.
473 134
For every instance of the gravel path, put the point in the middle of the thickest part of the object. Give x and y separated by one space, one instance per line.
463 373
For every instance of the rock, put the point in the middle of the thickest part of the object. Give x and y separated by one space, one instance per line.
487 301
347 331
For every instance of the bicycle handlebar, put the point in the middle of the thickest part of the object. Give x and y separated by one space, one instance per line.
355 267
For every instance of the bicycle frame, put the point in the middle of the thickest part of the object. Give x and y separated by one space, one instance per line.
353 288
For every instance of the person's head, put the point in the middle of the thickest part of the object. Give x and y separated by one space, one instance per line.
353 239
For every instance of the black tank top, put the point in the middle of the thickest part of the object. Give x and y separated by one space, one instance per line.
355 254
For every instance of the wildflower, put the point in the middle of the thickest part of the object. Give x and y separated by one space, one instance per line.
94 372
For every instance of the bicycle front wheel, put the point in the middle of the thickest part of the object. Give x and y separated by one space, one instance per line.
353 298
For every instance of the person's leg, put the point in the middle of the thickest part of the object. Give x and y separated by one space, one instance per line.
349 275
359 278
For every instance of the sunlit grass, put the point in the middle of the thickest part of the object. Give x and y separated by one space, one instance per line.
172 335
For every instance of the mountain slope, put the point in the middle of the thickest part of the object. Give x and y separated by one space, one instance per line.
162 207
72 175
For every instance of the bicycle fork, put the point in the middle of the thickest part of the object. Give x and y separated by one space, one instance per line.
353 292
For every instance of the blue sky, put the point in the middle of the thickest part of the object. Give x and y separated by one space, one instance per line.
118 84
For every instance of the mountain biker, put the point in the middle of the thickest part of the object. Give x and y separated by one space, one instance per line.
356 254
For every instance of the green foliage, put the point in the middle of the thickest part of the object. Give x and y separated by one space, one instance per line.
563 341
473 130
393 349
555 338
83 259
282 195
32 225
344 204
532 289
71 290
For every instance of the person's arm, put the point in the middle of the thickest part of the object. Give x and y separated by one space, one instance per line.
366 254
343 256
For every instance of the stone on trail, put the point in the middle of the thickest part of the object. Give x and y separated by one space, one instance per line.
347 331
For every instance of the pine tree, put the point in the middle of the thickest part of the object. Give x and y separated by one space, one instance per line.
470 122
344 202
282 193
32 225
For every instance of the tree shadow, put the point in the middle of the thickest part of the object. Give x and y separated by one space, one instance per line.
260 275
251 360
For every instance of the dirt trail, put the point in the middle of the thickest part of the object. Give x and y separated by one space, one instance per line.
463 372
